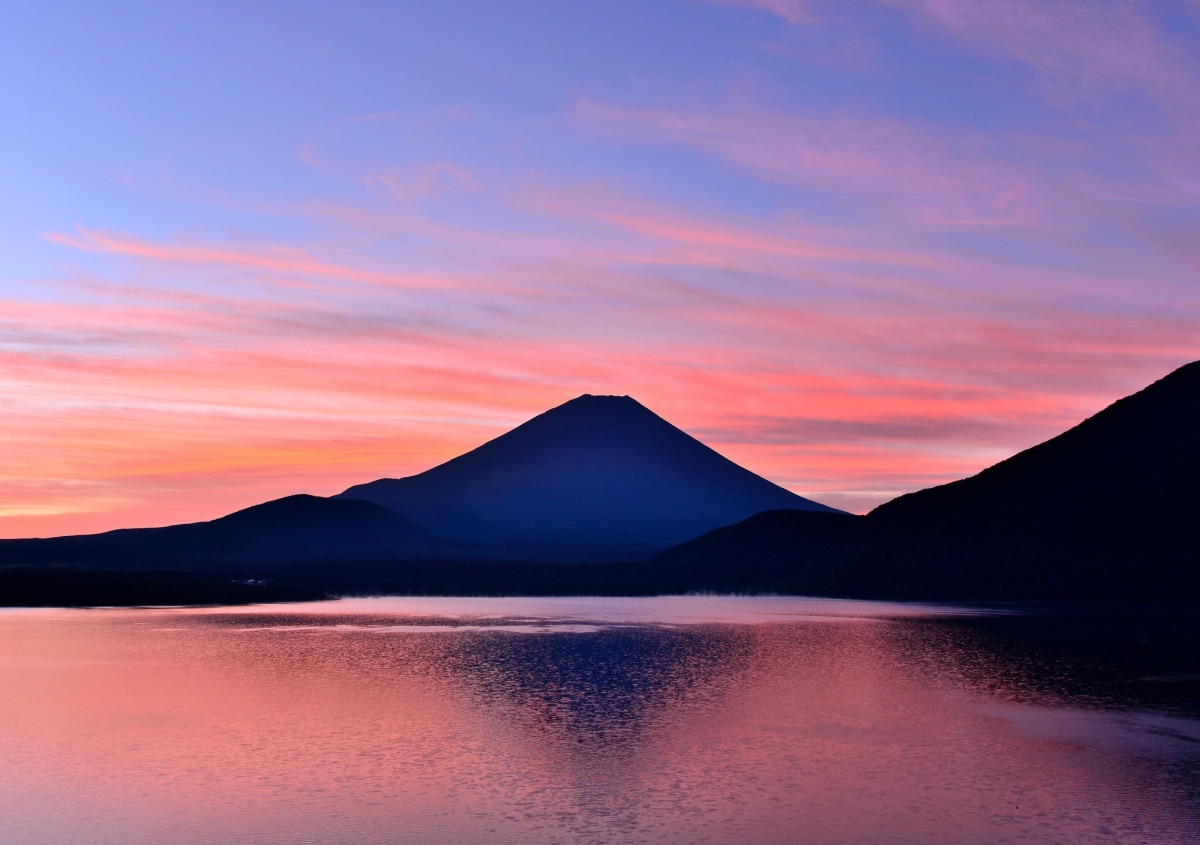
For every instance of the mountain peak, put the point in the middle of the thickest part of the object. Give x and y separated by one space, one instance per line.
600 403
592 411
598 476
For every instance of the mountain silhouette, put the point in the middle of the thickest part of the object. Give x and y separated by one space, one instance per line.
597 478
783 551
298 528
1108 509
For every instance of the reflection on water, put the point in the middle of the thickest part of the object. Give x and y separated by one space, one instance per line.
603 720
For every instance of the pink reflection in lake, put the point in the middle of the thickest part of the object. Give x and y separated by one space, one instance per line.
563 720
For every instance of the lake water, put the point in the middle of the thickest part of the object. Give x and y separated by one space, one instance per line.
670 720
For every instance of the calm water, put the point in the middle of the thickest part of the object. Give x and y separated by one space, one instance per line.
588 720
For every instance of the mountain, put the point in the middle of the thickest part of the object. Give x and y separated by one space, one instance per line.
782 551
1108 509
597 478
297 528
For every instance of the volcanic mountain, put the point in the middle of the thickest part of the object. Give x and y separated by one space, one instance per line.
1108 509
597 478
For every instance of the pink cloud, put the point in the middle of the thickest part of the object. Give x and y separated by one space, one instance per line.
792 11
281 261
866 354
791 264
957 180
1083 47
424 180
1118 60
184 430
1079 48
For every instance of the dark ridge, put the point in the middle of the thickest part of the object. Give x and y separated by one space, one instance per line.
775 551
1106 510
294 528
56 586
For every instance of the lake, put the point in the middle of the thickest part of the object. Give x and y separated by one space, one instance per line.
564 720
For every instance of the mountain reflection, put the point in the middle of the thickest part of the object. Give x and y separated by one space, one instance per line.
604 690
587 688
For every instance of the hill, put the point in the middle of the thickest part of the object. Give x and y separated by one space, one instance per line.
297 529
782 551
1108 509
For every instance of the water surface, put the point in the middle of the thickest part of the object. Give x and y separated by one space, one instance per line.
699 719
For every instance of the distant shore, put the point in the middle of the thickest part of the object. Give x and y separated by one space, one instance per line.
73 587
82 586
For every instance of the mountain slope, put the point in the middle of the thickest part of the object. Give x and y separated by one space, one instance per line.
599 477
783 551
297 528
1108 509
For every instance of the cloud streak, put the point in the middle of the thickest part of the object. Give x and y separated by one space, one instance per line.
896 167
856 279
1082 49
280 261
182 390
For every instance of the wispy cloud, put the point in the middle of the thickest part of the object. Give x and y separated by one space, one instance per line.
884 166
1081 48
792 11
1093 50
425 179
847 342
287 263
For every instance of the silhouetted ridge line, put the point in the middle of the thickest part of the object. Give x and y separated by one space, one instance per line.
1108 509
292 529
596 478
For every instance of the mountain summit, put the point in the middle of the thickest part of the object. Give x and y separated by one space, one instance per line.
599 478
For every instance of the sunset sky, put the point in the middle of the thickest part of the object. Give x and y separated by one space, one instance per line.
250 249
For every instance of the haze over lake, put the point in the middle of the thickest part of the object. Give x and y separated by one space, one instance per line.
698 719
